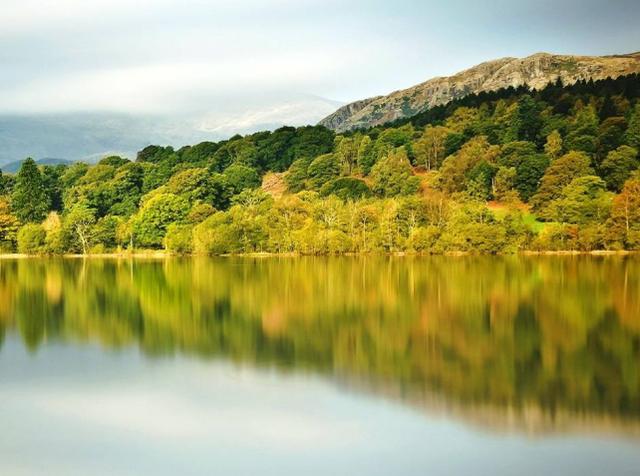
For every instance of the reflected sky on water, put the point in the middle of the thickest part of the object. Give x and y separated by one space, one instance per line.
320 366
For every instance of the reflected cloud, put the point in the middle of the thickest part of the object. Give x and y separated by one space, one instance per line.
531 344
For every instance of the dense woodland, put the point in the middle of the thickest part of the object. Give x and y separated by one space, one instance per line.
499 172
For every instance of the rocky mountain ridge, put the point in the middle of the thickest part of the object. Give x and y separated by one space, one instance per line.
536 71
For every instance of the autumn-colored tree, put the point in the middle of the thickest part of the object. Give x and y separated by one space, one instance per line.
625 214
9 225
455 167
553 146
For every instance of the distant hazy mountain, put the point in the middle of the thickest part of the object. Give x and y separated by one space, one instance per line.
536 71
13 167
90 136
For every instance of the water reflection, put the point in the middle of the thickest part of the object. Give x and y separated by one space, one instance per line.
535 344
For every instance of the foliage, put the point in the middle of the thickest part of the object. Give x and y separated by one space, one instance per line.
618 166
393 176
9 225
347 188
31 239
151 222
496 172
560 174
29 199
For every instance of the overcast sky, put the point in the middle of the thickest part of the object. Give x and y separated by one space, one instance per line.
177 55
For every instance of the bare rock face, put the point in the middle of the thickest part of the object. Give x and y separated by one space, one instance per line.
536 71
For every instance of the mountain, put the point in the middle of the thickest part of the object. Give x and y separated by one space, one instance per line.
535 71
13 167
89 136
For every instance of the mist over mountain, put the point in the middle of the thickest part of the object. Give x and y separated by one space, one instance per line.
89 136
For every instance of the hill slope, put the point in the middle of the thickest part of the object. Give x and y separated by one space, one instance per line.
536 71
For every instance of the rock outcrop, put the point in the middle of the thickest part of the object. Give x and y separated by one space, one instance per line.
536 71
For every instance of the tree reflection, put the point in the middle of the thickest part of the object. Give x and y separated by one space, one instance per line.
554 335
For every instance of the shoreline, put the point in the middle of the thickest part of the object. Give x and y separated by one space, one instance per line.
160 254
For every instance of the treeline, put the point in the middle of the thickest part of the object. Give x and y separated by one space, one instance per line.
510 170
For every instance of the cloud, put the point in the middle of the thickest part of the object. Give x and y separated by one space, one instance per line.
171 55
166 87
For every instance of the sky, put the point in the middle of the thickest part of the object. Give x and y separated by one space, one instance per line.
175 56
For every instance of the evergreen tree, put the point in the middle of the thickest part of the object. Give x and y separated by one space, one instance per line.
583 130
528 119
618 166
29 200
632 136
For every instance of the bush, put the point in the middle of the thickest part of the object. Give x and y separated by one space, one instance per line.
31 239
179 239
241 177
346 188
423 239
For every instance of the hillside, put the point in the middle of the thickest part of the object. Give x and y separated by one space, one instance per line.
89 136
536 71
555 169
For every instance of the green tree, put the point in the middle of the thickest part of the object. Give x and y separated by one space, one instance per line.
51 181
347 152
346 188
632 135
79 221
393 176
29 199
365 158
610 136
323 169
241 177
583 131
31 239
528 120
179 238
430 148
584 200
151 222
105 233
618 166
504 183
456 168
558 175
297 175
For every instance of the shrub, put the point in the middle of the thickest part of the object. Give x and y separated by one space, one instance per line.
31 239
179 239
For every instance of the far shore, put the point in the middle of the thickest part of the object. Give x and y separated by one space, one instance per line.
161 254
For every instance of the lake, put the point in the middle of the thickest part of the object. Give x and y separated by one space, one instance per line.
320 366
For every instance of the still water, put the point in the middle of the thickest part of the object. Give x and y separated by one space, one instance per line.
334 366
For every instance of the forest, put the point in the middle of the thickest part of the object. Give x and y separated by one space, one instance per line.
513 170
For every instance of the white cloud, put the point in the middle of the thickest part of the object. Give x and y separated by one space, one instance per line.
166 87
23 16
